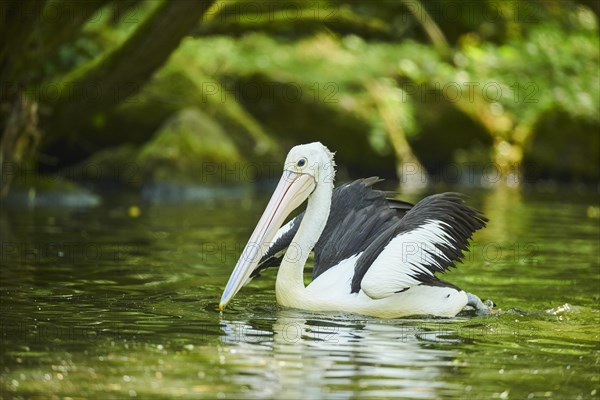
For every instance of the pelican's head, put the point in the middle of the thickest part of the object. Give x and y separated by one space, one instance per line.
306 166
313 159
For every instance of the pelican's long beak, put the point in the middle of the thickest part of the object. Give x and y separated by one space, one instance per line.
293 188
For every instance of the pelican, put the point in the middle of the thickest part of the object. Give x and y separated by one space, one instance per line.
373 255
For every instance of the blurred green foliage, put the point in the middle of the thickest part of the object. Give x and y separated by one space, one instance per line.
384 83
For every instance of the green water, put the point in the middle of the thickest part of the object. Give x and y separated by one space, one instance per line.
98 303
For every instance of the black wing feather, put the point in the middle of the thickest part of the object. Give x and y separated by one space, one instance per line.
460 222
275 252
358 212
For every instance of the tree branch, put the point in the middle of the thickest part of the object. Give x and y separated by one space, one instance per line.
18 19
104 83
64 20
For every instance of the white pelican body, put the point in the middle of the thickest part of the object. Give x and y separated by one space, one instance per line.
328 293
373 256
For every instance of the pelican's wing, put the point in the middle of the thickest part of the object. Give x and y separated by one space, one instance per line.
358 214
355 207
430 238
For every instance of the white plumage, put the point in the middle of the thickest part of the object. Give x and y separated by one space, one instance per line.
373 255
405 256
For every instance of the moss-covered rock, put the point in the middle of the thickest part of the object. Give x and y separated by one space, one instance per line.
189 147
448 136
48 191
564 147
304 120
174 89
110 166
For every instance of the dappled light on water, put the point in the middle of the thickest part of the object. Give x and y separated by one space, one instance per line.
123 301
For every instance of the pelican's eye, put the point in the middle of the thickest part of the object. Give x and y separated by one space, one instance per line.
301 162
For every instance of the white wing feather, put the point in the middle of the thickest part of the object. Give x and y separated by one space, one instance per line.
405 256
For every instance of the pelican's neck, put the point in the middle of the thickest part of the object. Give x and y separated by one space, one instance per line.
290 278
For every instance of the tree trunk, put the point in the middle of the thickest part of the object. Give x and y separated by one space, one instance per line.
410 171
63 21
102 84
18 19
19 141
